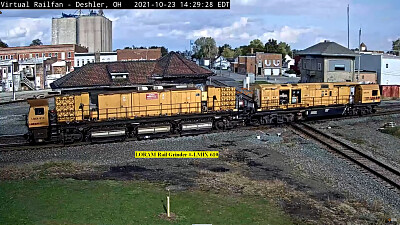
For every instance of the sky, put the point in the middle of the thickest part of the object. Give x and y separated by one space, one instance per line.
300 23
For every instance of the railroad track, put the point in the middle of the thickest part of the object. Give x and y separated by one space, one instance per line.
18 142
389 175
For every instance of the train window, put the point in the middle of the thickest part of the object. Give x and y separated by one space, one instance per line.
296 96
283 97
39 111
330 93
324 86
374 92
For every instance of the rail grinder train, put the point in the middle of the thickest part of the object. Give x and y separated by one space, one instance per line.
166 112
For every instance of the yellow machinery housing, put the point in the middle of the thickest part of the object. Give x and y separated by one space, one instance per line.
221 98
284 96
149 103
72 107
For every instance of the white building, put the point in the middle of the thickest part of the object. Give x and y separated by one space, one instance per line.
288 63
82 59
8 71
387 67
221 62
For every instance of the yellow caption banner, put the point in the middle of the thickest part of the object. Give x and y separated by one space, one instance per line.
176 154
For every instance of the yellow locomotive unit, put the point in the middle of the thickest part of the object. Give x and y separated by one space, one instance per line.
160 113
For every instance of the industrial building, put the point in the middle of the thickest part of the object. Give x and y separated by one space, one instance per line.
327 62
92 30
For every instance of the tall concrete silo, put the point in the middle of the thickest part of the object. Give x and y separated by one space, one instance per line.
93 31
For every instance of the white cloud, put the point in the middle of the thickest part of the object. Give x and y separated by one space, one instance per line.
220 33
22 31
286 34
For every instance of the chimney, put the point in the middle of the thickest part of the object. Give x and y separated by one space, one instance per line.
252 51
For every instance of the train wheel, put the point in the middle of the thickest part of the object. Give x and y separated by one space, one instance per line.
220 125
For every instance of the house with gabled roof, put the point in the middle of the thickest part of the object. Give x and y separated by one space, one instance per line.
327 62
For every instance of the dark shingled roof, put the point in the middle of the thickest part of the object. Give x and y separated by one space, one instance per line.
172 65
327 48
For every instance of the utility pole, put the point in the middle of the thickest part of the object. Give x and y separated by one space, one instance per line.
13 82
348 26
359 52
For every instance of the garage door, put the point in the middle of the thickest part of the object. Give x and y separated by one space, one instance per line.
275 71
267 72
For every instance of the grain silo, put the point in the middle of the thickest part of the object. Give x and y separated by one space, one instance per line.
92 30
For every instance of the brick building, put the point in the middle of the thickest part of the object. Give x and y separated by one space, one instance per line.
138 54
63 52
260 64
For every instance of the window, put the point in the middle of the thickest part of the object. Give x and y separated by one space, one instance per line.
69 54
339 67
6 57
36 55
77 62
50 54
324 86
43 55
56 54
304 64
319 66
374 92
83 62
11 57
387 66
39 111
1 57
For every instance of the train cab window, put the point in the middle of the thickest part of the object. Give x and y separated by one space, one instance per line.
296 96
374 92
283 97
39 111
324 86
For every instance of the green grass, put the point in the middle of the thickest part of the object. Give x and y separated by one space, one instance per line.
395 131
56 201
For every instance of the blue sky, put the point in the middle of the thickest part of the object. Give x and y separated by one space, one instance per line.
301 23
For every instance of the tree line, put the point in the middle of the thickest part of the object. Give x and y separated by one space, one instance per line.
205 47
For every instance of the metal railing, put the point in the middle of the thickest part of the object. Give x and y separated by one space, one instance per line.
305 102
139 111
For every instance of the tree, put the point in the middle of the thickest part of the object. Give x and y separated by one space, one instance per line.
284 49
164 50
205 47
228 53
396 46
36 42
3 44
256 45
271 46
238 52
221 48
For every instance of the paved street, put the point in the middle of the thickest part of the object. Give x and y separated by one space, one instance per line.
7 96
